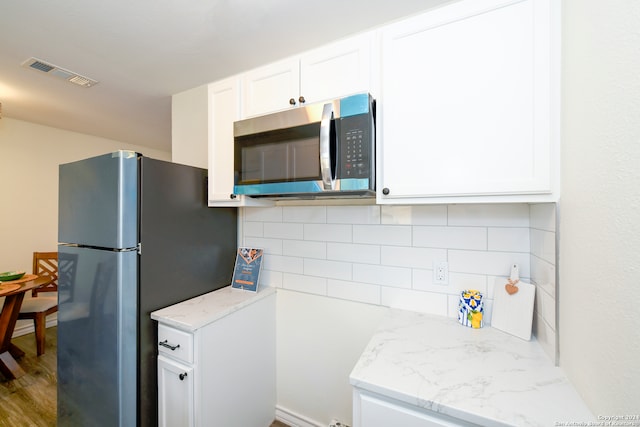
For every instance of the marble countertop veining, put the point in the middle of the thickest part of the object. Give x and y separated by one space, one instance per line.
193 314
482 376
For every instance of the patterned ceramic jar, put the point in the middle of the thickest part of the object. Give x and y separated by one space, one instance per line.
471 309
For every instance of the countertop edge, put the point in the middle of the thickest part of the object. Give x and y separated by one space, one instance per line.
404 378
197 312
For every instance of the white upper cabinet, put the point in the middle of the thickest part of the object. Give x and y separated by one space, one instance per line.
270 88
332 71
339 69
223 109
468 104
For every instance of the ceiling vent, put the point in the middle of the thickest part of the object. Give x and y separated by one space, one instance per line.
60 73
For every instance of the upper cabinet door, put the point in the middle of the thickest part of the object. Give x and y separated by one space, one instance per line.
336 70
224 109
329 72
468 104
270 88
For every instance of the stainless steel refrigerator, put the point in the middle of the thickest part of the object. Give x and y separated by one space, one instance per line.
135 235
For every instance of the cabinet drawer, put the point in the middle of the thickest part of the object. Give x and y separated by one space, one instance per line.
174 343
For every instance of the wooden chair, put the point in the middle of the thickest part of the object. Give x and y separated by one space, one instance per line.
37 308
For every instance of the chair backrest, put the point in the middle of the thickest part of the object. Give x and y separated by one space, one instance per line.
46 264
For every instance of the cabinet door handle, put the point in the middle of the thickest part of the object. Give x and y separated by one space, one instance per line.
385 191
292 101
301 99
182 376
169 346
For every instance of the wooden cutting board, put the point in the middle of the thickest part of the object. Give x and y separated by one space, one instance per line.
513 313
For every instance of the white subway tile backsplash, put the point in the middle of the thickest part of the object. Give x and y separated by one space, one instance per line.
406 299
396 235
543 274
350 252
306 284
272 214
330 269
270 278
283 230
285 264
452 305
423 281
402 256
353 291
306 214
353 214
415 215
328 232
548 309
509 239
253 229
384 255
543 245
545 336
489 263
270 246
511 215
450 237
461 282
543 216
488 311
382 275
304 249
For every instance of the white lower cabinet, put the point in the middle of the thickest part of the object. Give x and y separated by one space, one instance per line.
175 393
371 410
222 373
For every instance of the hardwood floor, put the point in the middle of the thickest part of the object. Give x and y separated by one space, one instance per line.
30 401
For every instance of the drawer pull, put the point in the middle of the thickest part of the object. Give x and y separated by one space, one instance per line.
169 346
182 376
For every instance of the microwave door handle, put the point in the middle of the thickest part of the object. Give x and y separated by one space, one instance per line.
325 146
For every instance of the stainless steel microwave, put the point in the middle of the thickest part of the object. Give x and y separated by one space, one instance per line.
325 149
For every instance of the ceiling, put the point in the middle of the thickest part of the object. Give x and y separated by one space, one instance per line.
143 51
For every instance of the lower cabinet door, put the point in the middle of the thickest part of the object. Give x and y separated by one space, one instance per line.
175 394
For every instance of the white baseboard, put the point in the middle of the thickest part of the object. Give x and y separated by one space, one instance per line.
293 419
24 327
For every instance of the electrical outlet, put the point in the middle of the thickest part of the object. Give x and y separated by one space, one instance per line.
440 273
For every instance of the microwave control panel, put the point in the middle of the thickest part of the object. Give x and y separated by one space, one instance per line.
356 148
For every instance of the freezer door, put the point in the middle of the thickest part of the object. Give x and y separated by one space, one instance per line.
97 337
98 201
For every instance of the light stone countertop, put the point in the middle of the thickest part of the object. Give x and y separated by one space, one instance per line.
482 376
193 314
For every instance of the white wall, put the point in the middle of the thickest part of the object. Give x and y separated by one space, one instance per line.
189 127
599 212
29 159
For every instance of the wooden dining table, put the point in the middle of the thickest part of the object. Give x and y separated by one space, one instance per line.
13 293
